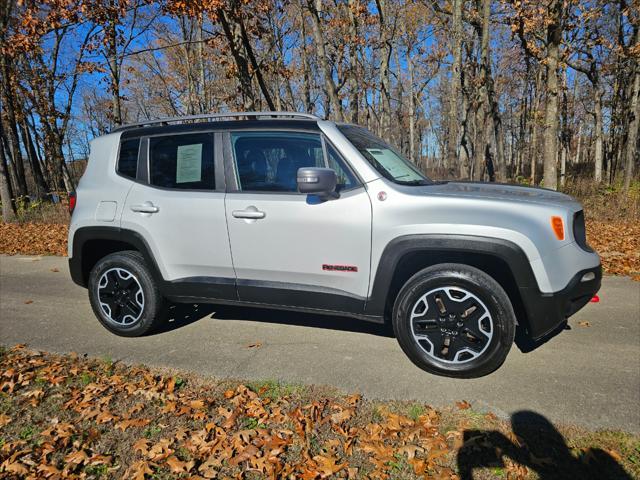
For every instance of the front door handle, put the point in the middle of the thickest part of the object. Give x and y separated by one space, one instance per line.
146 207
249 213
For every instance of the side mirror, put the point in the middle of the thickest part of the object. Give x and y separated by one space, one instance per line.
318 181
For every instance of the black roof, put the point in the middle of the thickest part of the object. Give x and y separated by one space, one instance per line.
134 132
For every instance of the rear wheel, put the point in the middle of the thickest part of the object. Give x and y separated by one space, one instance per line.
454 320
123 294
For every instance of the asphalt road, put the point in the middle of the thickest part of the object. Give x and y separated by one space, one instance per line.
589 375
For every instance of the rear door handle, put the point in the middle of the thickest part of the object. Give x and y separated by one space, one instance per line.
250 213
146 207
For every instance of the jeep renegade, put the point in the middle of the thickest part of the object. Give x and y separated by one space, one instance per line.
289 211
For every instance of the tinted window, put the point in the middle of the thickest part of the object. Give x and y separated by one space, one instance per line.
128 160
269 161
182 161
346 179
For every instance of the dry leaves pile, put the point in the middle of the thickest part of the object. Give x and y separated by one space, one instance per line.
87 418
617 242
62 416
33 238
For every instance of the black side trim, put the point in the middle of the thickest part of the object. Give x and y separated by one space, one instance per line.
298 295
203 288
399 247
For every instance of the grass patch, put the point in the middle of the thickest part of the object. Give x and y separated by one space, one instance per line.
275 390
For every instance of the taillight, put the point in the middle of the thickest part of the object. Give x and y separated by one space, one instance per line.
72 202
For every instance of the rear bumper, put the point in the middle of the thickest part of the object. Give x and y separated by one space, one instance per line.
547 311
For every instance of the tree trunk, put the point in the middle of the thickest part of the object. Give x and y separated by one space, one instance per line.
330 87
354 87
385 73
491 108
452 136
252 58
599 132
306 72
38 178
631 150
412 109
203 91
554 36
6 193
10 131
577 157
234 40
112 60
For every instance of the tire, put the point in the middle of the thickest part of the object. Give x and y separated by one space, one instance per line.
124 295
460 303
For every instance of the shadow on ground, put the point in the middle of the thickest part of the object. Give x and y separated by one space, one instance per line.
537 444
179 315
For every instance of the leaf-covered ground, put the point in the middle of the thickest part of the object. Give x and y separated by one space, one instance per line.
65 416
617 242
33 238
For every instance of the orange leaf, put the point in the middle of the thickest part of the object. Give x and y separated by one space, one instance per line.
328 465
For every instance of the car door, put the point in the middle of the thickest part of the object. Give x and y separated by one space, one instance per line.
290 248
178 208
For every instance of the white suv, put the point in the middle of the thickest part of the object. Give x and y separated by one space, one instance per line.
285 210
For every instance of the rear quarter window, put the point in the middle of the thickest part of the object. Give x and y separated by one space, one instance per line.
128 158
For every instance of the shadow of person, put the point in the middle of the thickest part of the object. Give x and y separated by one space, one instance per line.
179 315
538 445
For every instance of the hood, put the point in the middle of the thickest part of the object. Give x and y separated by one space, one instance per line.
499 192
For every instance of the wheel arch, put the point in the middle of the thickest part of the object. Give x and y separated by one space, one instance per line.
403 257
90 244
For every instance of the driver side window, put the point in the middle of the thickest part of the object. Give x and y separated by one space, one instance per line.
269 161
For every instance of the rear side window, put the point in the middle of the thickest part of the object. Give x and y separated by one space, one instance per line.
128 159
182 162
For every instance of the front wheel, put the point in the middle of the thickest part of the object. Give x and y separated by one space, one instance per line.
454 320
124 295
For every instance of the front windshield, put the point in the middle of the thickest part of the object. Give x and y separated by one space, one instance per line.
389 163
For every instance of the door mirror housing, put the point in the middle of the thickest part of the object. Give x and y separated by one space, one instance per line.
318 181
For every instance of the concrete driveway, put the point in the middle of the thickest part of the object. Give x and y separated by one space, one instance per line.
589 375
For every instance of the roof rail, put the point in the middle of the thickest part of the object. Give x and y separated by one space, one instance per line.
216 116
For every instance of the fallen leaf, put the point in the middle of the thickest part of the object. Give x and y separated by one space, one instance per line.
584 324
410 450
463 405
138 470
178 466
247 454
253 345
28 302
4 419
136 422
328 465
